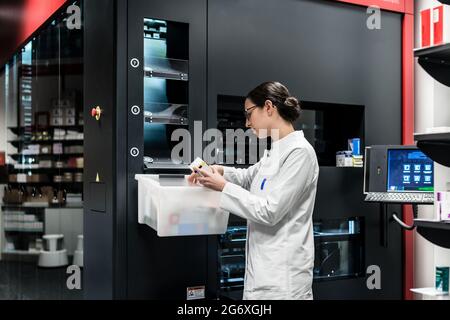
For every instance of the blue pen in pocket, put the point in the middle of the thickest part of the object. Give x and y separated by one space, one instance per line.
263 183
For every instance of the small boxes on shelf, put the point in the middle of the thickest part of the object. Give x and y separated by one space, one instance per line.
57 121
56 111
37 178
73 149
21 178
75 162
31 149
74 199
59 134
354 145
344 159
358 161
351 157
57 148
59 164
69 121
45 149
435 26
45 164
68 177
63 113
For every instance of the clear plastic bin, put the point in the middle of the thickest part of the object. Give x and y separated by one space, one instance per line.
173 207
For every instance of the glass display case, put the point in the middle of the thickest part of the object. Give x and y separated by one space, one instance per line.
42 194
338 247
328 126
166 84
232 257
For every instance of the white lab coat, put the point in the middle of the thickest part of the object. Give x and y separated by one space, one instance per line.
276 196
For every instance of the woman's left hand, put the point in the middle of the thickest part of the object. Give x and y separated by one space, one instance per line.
212 180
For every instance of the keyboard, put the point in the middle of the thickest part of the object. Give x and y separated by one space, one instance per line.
397 197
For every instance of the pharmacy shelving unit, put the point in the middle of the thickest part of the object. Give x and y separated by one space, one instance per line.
18 237
436 61
437 147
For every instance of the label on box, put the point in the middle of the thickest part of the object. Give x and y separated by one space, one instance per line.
70 112
69 121
195 293
21 177
435 15
57 121
438 25
57 112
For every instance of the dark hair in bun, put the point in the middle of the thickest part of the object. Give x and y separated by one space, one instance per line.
288 106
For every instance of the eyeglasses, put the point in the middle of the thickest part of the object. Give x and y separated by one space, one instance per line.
248 114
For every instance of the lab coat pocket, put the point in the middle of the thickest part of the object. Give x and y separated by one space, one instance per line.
271 269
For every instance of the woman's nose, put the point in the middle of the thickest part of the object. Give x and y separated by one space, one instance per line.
247 123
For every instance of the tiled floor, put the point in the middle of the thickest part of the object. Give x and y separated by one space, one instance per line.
25 281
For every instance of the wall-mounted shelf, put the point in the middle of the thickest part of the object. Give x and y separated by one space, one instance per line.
436 61
47 183
45 205
46 170
17 143
435 145
65 155
431 293
174 69
21 252
436 232
31 129
167 113
39 230
336 236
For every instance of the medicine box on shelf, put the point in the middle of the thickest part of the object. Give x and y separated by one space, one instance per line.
174 207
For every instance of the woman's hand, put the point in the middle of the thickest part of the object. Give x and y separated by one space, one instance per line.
194 176
214 180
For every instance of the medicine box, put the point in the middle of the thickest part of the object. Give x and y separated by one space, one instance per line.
442 279
344 159
175 207
435 26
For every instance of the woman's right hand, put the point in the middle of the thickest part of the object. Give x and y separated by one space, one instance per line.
193 177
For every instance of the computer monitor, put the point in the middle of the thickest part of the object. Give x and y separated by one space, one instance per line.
409 170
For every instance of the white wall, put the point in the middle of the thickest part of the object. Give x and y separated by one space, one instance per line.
432 109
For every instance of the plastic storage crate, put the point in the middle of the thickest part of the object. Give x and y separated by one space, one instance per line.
173 207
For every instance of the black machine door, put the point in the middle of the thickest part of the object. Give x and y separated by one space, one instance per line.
166 92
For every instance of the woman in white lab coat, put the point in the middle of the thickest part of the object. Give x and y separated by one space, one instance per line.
276 196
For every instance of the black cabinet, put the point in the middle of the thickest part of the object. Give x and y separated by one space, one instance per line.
168 38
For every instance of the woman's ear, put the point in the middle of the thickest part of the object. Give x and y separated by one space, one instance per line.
268 105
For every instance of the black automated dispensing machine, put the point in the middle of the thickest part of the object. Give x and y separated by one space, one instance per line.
153 67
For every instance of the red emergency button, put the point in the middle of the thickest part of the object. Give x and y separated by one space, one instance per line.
96 113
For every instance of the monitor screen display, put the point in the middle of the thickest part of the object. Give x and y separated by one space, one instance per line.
409 170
